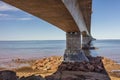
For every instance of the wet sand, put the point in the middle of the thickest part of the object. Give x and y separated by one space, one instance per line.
112 68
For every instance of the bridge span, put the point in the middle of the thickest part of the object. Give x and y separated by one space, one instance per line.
72 16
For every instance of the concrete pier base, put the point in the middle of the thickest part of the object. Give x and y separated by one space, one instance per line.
86 41
74 56
73 52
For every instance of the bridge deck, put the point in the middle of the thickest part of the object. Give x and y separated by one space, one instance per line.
54 12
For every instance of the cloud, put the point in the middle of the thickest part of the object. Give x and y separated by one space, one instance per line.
6 7
15 18
24 19
11 17
4 15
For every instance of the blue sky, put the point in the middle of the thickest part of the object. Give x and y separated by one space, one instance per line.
106 19
18 25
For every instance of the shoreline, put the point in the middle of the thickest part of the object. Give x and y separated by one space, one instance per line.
55 61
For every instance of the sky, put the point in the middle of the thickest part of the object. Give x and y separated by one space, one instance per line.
16 24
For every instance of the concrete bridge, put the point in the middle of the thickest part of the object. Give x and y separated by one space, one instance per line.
72 16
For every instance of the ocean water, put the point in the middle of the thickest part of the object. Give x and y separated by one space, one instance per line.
24 50
38 49
31 49
107 48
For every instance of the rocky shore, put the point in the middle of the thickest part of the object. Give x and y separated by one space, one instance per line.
53 68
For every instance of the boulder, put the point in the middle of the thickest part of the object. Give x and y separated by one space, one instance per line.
32 78
8 75
68 78
46 64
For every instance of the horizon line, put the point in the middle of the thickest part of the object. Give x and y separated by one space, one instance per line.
52 39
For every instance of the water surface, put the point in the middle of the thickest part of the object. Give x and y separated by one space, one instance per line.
37 49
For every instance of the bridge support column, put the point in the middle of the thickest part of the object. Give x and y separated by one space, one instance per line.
73 52
86 41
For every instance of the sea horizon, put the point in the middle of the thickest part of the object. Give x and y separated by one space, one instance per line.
53 40
52 46
35 49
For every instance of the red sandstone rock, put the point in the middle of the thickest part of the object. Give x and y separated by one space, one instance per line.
50 63
54 63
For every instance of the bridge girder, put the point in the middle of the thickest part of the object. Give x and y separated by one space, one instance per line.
55 12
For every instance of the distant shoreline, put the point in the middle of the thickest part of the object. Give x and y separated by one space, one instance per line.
52 40
32 40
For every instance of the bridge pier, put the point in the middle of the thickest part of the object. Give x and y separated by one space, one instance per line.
73 52
86 40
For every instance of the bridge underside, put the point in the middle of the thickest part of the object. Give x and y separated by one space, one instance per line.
55 12
72 16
